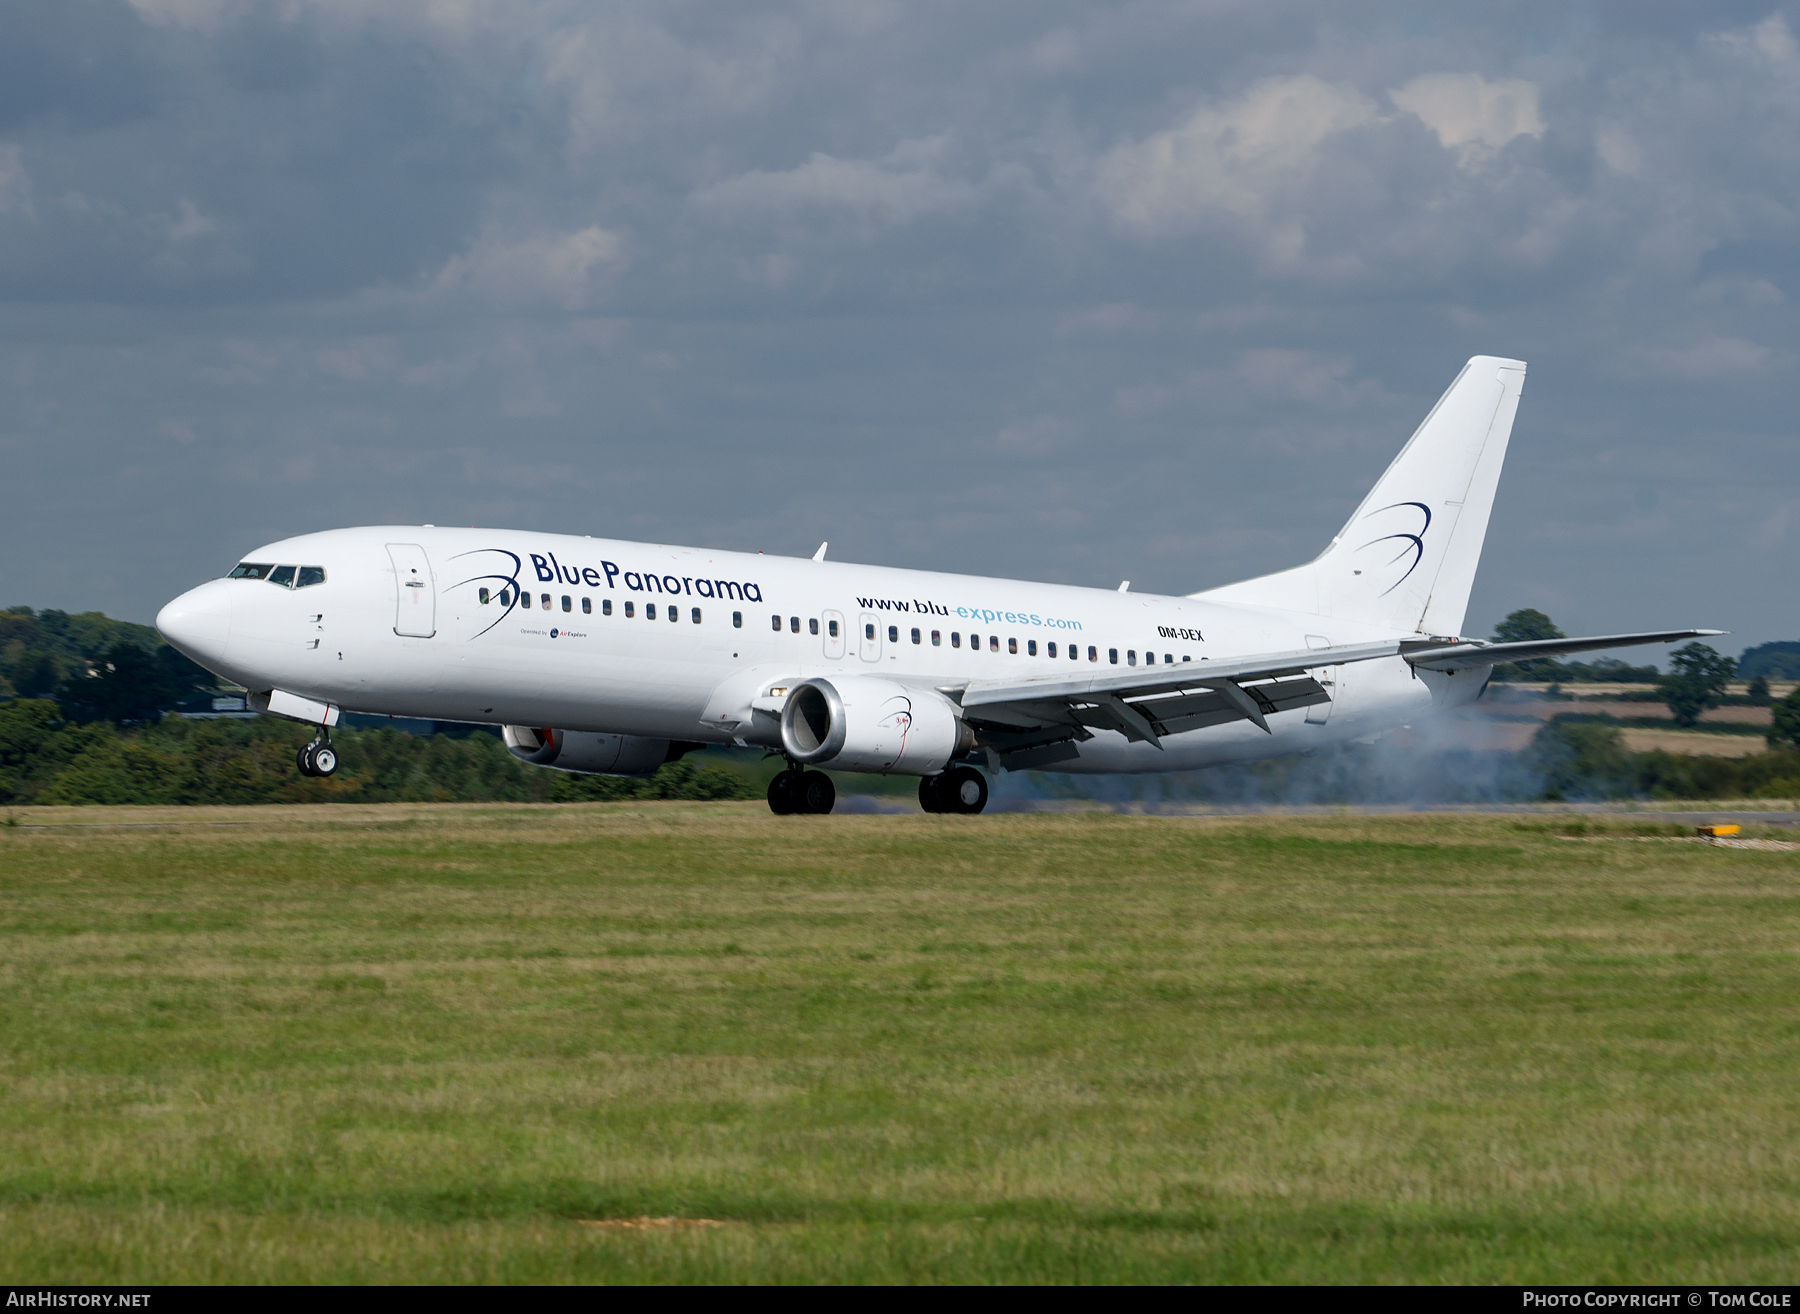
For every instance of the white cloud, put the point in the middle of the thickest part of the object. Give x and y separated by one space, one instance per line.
15 184
562 269
1227 160
190 224
196 15
1038 436
361 358
1470 115
913 180
1715 358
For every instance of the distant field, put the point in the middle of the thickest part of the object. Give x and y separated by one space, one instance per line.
424 1043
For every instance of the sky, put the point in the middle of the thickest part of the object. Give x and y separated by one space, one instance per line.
1146 290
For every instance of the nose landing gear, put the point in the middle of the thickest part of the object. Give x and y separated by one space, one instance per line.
318 758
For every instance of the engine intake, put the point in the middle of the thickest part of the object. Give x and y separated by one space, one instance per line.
592 754
862 723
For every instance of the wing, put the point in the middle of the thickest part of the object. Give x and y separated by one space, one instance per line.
1450 657
1032 723
1035 722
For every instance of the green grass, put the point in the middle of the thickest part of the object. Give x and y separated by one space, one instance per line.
417 1043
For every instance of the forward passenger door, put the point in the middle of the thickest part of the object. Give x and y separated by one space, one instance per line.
415 596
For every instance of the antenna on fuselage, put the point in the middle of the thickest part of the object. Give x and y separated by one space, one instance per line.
820 554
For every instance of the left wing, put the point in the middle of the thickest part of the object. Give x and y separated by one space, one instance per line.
1038 721
1034 722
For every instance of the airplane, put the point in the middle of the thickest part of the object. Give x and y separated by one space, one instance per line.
603 656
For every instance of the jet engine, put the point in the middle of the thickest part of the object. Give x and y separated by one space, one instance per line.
595 754
862 723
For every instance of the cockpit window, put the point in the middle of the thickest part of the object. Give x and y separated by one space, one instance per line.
310 575
250 570
282 575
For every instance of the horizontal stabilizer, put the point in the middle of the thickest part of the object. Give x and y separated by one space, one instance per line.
1475 653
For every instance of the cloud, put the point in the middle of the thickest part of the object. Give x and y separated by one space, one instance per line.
1471 116
567 270
190 223
1227 160
15 184
915 179
1038 436
1715 358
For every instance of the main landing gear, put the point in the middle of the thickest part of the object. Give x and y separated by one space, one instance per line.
795 790
960 789
318 758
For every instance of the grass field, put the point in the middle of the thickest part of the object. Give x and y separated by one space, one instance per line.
416 1043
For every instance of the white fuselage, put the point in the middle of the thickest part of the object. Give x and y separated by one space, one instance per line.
577 633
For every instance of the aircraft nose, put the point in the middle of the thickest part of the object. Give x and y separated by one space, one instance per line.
198 623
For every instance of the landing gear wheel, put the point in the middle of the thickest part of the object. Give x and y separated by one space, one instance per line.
816 793
324 759
928 794
781 794
303 760
962 790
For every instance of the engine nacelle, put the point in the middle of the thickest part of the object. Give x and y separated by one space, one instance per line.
863 723
594 754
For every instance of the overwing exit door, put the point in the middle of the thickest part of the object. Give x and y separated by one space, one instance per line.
869 632
415 600
834 634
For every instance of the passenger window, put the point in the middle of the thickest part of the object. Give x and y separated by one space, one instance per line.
546 602
1131 657
674 613
737 620
869 633
775 624
606 606
248 570
1012 646
974 643
994 643
1112 655
915 636
1186 658
1168 659
831 627
1031 649
567 604
794 624
282 575
649 611
483 595
812 625
937 638
1050 650
310 575
956 638
587 606
1149 659
696 615
1094 654
630 608
893 634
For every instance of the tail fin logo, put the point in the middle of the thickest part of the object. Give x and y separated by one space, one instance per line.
1411 544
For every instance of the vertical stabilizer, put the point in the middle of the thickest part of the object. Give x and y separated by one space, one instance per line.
1406 559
